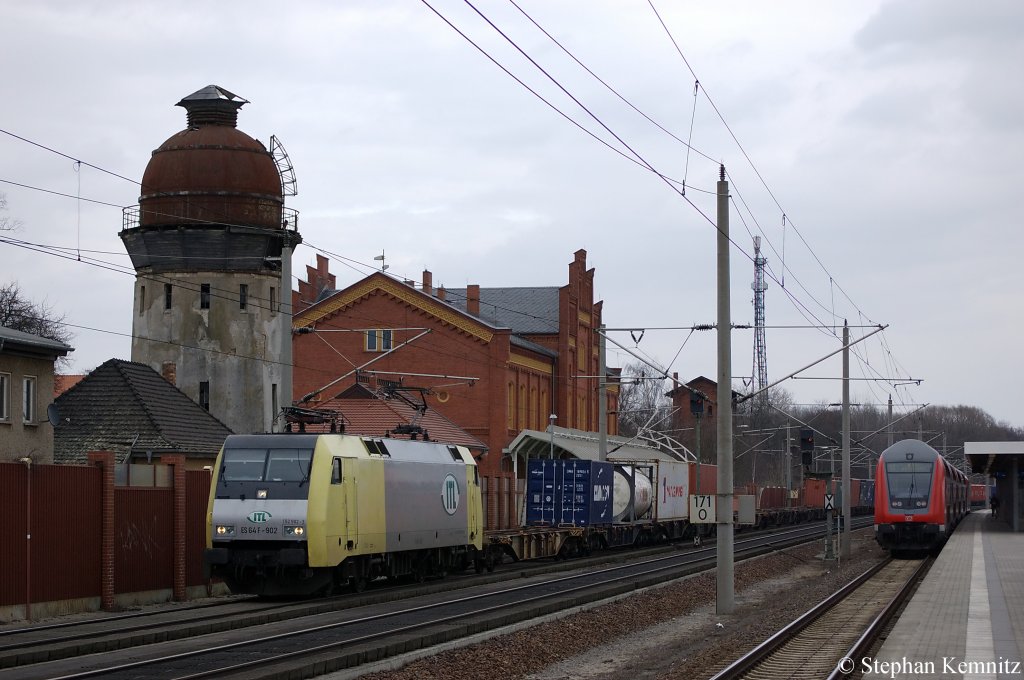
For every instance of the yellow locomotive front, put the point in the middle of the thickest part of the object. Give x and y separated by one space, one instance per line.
304 514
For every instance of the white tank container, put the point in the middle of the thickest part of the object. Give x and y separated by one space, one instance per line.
632 494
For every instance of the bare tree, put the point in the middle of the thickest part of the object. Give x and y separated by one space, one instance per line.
642 400
6 223
21 314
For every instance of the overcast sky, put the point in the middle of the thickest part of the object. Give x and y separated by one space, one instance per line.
889 134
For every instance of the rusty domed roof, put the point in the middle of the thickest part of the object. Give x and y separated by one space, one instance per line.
211 162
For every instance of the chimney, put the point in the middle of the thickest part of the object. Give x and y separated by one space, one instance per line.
441 293
473 299
675 379
169 370
212 105
428 282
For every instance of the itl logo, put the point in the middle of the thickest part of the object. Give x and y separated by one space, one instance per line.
259 516
450 494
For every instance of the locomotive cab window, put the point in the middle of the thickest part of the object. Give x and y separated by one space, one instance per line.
288 465
910 484
336 471
266 465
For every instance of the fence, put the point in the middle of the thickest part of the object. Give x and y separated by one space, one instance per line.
69 533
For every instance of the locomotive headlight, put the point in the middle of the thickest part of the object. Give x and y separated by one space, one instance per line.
294 531
225 530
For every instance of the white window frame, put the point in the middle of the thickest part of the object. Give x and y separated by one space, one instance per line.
29 396
5 397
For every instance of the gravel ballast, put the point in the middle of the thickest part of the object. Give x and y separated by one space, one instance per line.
670 631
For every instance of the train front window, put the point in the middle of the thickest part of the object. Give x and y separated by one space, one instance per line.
266 465
243 465
288 465
909 484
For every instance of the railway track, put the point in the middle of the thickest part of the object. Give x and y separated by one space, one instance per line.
350 637
841 627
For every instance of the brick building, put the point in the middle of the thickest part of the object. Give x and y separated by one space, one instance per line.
497 360
684 420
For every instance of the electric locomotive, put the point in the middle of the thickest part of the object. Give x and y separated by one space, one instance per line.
919 497
306 514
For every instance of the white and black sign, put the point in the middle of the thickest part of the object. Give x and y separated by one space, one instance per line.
702 509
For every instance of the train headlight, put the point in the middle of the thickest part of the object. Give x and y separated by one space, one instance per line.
225 530
294 531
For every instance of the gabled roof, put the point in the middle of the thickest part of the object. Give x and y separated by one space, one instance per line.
692 387
19 342
380 283
520 341
368 415
524 310
124 406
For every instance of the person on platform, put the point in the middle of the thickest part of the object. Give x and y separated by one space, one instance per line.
995 506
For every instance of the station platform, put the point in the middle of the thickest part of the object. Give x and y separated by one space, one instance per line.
966 619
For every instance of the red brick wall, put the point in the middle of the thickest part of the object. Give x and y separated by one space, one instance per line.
483 408
324 356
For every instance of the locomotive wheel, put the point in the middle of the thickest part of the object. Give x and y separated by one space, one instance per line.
357 584
419 573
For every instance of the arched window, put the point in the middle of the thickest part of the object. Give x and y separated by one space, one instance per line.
511 406
534 413
522 407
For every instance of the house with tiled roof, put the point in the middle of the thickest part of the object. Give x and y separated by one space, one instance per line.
494 361
26 389
387 414
130 409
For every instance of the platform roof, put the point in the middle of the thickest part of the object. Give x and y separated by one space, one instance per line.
582 444
992 458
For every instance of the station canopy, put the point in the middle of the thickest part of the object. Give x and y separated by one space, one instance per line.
994 458
567 442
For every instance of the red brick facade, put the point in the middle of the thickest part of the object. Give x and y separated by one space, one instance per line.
492 387
105 460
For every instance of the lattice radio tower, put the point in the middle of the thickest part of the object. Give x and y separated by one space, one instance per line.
760 352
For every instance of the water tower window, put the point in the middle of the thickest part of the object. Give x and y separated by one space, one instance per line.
243 296
273 300
204 296
142 300
204 395
167 295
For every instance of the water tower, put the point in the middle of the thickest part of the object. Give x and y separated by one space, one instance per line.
211 243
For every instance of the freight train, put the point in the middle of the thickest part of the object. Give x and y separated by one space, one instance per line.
303 514
306 514
919 497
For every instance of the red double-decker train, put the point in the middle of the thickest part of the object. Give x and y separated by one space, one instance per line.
919 497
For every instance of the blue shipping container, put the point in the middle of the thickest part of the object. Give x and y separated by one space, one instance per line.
568 492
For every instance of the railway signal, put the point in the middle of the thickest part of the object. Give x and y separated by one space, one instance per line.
807 446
